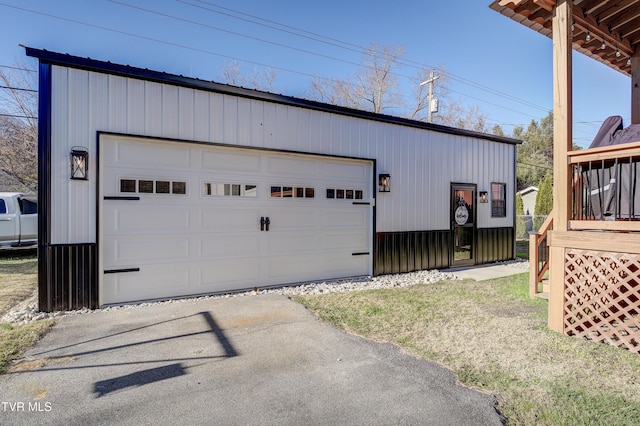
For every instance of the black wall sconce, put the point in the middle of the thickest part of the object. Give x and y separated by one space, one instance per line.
384 182
79 163
483 197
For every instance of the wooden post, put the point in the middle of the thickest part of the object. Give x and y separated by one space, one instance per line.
533 265
562 143
635 89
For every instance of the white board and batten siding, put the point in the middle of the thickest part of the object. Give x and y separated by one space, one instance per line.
143 134
421 163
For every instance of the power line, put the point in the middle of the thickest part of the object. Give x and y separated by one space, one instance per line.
188 21
362 50
17 68
18 116
197 49
534 165
18 88
359 49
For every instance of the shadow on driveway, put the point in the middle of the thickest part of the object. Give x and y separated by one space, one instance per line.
270 362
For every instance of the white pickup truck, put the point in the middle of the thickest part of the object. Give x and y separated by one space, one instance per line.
18 220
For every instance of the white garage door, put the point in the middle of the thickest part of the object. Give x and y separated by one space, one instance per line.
181 219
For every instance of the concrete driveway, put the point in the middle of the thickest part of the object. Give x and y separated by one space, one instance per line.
252 360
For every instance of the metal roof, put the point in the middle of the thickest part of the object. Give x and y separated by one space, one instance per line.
66 60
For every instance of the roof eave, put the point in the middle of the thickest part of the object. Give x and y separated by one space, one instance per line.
89 64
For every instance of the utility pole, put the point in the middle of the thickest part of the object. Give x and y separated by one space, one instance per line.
433 106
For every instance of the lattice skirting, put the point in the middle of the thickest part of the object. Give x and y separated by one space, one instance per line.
602 297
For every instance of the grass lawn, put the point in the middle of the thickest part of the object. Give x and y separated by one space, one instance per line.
18 277
522 249
18 280
495 338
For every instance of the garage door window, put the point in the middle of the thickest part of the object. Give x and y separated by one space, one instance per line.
344 194
292 192
230 189
146 186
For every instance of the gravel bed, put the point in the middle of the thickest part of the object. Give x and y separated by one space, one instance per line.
27 310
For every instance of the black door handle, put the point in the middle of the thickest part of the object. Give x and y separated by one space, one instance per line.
267 222
262 222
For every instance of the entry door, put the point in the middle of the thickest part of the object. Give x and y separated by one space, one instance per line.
463 224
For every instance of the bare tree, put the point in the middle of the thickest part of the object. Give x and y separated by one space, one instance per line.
472 118
259 79
19 128
377 83
373 88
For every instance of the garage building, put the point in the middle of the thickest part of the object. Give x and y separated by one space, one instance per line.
157 186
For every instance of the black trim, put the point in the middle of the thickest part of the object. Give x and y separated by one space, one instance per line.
44 183
119 271
363 203
121 198
373 162
161 77
227 145
474 210
71 277
364 253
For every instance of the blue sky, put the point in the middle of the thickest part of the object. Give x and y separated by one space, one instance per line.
494 63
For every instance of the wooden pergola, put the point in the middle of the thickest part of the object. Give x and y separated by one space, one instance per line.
594 265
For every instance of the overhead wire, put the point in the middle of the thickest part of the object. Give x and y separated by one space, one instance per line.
355 48
18 88
363 50
334 42
359 50
199 49
17 68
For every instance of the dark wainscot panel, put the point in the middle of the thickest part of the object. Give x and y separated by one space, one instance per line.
411 251
398 252
68 277
495 245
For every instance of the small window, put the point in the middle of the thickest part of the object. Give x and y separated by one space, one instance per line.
276 191
287 192
309 193
251 190
345 194
231 189
178 188
3 207
145 186
162 187
498 200
299 192
127 185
